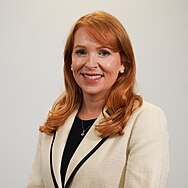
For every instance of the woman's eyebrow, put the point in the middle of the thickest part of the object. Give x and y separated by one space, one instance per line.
82 46
79 46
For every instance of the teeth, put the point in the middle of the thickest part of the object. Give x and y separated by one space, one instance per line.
93 77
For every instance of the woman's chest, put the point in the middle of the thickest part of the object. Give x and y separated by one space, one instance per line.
105 168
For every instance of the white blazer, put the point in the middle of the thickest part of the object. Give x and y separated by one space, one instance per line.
138 159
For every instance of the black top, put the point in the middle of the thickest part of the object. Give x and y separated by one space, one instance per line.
73 141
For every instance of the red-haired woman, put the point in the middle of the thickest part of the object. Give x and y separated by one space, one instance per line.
99 132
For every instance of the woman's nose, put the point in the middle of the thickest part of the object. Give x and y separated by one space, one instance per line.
91 62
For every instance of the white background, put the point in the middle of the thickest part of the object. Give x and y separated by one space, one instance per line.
32 38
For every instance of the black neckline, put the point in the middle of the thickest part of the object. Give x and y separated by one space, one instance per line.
88 120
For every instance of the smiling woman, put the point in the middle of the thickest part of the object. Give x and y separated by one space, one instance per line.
99 132
95 68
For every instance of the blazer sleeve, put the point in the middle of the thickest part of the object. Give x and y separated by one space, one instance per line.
148 151
35 177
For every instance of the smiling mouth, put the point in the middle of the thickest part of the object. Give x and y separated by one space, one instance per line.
92 76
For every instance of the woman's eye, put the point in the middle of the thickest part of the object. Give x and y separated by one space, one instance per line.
104 53
80 52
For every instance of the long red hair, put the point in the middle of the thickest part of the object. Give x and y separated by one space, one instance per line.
122 100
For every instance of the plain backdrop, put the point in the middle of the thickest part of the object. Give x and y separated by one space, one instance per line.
32 38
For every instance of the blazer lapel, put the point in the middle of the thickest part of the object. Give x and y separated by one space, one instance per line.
88 143
58 147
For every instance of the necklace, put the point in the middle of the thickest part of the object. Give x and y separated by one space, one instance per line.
84 129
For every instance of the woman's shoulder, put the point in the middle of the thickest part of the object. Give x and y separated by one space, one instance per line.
149 112
148 122
149 107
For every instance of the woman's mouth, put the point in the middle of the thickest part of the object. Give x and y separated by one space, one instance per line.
92 77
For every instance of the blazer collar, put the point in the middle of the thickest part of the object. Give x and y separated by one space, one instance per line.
59 145
90 140
87 144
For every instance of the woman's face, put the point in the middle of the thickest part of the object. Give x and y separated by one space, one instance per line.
95 68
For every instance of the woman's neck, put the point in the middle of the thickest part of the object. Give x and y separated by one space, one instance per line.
91 107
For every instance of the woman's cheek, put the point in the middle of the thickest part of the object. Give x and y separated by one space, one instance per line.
79 62
106 64
76 64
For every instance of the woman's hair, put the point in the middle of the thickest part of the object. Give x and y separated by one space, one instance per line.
122 100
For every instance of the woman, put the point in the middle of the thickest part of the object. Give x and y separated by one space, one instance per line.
99 132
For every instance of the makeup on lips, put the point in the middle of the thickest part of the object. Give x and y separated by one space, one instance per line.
92 77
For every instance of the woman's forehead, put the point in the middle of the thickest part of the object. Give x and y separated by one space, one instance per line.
100 36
